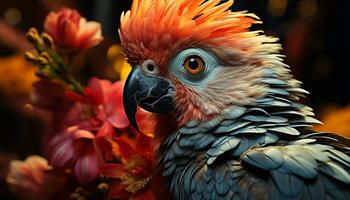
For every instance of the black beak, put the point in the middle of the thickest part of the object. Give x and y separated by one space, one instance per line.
151 93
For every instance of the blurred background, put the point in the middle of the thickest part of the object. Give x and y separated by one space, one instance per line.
313 34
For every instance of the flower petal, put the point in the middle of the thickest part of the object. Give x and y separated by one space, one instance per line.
117 191
125 148
62 151
39 164
112 170
104 148
68 34
82 134
50 24
98 89
89 34
114 106
75 97
30 179
86 167
72 32
106 130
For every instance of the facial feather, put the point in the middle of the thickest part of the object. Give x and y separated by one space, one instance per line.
160 30
157 30
232 85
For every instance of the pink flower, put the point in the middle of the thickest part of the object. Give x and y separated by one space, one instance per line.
76 149
32 179
72 32
83 144
102 102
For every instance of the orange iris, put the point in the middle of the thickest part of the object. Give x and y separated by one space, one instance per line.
194 64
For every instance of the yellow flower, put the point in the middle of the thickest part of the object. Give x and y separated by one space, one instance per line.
17 76
121 66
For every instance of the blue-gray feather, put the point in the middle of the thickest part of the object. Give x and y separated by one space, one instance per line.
262 151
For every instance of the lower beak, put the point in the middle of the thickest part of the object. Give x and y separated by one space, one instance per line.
151 93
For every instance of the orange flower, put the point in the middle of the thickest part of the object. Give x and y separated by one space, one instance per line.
32 179
72 32
336 121
136 177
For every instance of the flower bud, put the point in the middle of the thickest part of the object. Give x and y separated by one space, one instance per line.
33 36
71 32
30 57
48 41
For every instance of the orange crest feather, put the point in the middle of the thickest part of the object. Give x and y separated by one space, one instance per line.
157 29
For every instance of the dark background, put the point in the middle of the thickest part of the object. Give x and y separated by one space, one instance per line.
313 33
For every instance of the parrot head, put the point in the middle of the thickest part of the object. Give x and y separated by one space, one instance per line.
192 58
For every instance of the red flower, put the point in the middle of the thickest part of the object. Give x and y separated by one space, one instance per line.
136 177
93 120
102 102
72 32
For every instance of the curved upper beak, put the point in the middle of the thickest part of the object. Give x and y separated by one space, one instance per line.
151 93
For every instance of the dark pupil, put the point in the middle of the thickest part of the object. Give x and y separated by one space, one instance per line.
193 63
150 68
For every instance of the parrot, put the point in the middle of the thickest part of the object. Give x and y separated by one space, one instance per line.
229 121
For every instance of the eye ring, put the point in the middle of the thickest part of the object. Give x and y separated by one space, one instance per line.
194 64
149 67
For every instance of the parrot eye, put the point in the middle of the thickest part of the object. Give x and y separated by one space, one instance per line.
194 64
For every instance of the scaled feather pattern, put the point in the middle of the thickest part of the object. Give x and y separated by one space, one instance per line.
245 135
